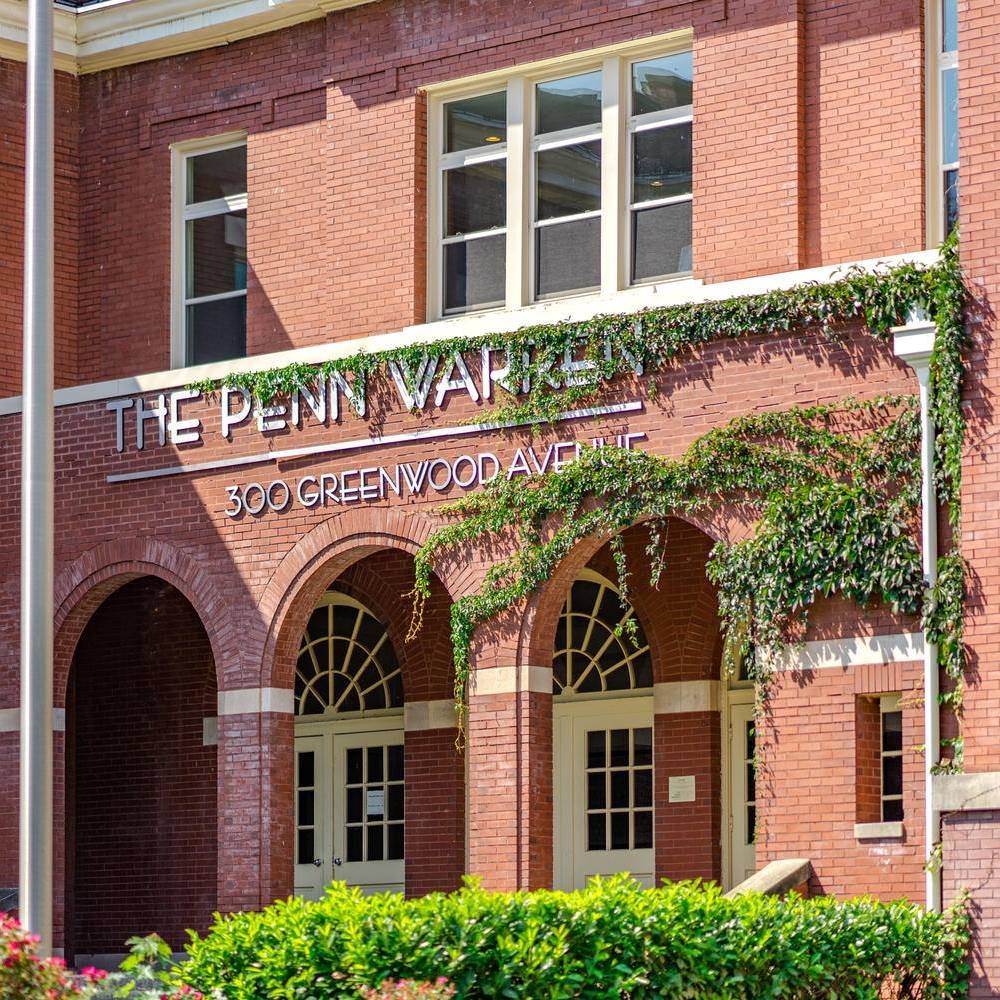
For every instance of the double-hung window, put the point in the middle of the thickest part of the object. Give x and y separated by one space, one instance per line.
210 252
943 127
562 179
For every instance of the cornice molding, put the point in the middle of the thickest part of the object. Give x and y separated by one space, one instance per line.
123 32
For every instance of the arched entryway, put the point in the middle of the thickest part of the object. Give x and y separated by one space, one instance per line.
141 772
349 758
602 712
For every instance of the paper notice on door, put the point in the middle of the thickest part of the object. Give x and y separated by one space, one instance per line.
376 802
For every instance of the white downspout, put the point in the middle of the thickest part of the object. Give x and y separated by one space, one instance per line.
914 344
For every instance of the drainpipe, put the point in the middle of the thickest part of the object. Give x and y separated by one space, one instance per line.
914 344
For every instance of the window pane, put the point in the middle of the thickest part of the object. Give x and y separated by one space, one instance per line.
355 805
217 254
355 843
375 757
643 829
475 121
394 848
659 84
642 752
306 842
568 257
306 810
597 838
892 731
619 747
569 180
306 768
568 103
355 766
949 26
643 788
619 831
475 198
217 331
395 802
619 789
475 273
950 200
661 163
596 790
892 811
217 175
949 108
892 775
596 748
396 762
661 241
375 843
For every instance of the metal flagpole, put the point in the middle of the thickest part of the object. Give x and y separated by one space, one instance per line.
35 903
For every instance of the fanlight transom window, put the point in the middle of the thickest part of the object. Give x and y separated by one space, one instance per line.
346 662
593 649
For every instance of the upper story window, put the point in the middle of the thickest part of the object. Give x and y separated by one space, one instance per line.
549 183
943 49
891 756
210 252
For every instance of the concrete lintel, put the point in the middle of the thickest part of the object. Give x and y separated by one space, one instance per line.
967 792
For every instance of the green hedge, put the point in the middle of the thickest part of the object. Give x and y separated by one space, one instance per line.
610 940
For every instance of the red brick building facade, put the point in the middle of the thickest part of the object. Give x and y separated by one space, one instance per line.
239 711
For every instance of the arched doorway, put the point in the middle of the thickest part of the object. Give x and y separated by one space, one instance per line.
141 772
602 738
349 757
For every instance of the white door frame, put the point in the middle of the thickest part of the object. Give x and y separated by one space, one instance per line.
325 731
570 716
736 698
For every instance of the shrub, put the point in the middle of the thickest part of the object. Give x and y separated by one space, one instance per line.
610 940
408 989
27 976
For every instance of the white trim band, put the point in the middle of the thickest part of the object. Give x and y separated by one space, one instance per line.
354 444
573 309
859 651
674 697
10 720
255 701
419 716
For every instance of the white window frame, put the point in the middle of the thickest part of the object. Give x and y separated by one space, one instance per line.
181 214
887 703
938 62
614 132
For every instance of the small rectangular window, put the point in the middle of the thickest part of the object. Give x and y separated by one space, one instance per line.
213 243
891 755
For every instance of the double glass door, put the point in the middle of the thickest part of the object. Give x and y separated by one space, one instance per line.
349 808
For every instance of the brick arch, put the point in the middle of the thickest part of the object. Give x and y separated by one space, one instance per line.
319 558
87 582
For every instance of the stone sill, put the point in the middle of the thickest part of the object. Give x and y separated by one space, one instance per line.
878 831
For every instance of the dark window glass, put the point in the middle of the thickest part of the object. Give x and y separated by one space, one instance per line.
568 103
475 198
307 769
892 775
568 257
569 180
375 849
892 811
306 808
642 753
475 121
620 747
661 163
892 731
619 789
475 273
355 843
660 84
751 740
394 847
217 252
643 788
355 805
661 241
375 757
355 766
597 837
751 824
751 783
642 824
619 831
217 331
950 200
394 805
596 790
396 762
306 845
217 175
596 748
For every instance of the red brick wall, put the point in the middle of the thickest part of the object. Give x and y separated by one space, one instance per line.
143 785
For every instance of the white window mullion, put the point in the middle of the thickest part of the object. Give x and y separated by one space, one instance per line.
614 175
519 193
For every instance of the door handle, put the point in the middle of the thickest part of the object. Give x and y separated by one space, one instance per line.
338 862
318 862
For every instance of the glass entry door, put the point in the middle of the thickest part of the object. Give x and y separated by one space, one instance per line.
603 790
349 812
